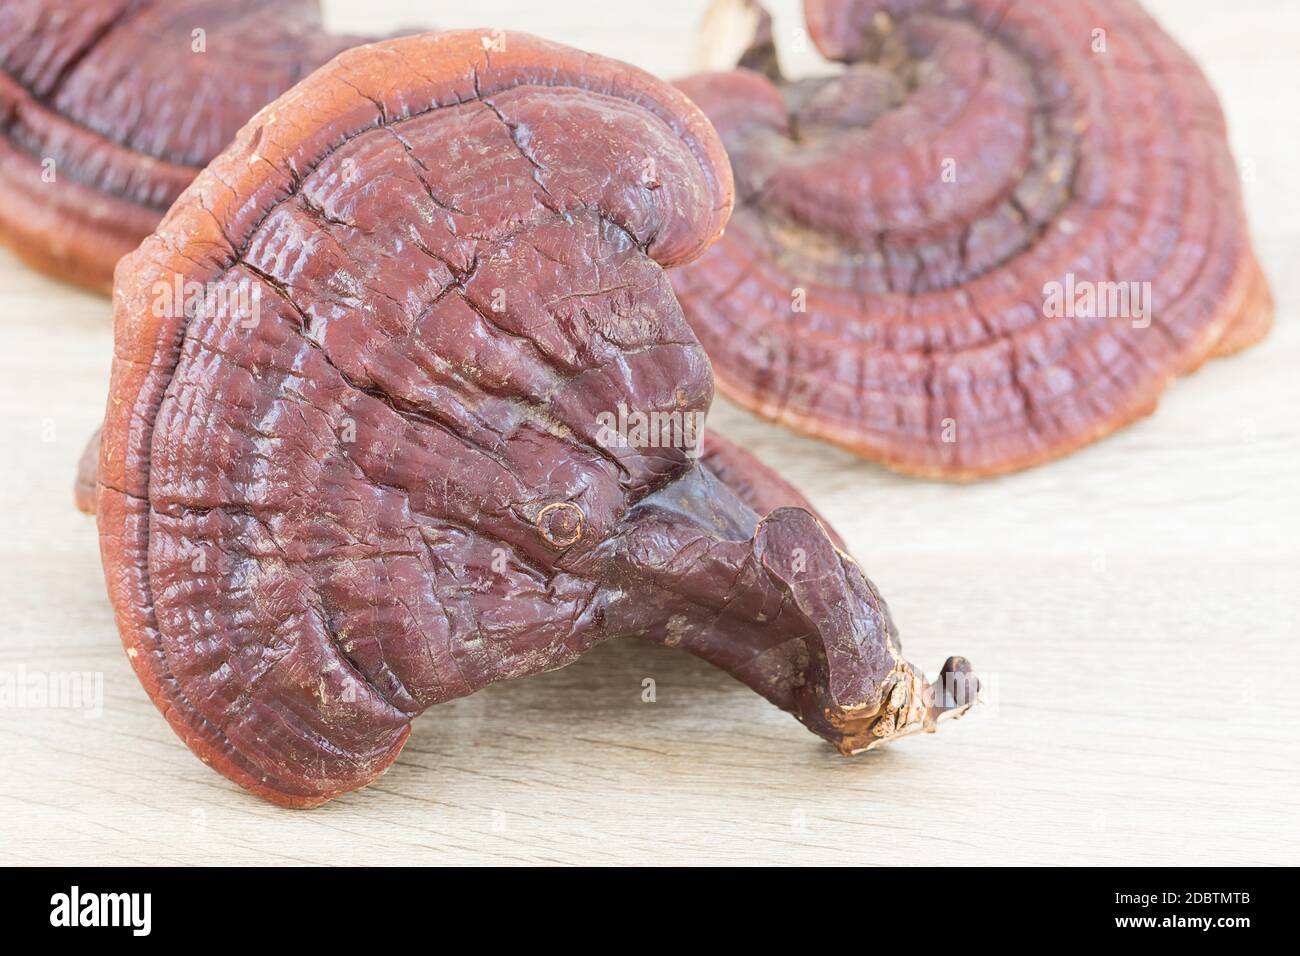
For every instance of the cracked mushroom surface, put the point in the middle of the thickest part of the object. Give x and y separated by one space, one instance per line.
109 109
372 470
993 237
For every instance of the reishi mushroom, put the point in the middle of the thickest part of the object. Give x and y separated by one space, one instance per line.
995 236
109 109
362 473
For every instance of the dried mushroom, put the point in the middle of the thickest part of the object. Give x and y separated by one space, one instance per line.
993 237
109 108
434 422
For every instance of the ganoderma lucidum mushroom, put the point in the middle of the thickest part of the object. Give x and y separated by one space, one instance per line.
369 468
994 237
109 108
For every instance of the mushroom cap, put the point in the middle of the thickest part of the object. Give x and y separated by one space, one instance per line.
129 99
351 464
995 236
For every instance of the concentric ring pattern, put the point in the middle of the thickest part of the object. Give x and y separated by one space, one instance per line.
994 237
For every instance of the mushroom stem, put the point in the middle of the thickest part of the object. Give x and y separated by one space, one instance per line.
774 603
736 33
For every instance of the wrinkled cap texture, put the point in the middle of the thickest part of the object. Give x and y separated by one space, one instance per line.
370 470
992 237
109 108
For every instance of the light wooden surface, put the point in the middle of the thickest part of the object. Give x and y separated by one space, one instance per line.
1136 610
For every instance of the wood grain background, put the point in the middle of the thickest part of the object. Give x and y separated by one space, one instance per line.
1135 608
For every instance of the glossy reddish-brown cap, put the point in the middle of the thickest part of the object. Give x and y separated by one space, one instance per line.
426 453
396 189
995 236
109 108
